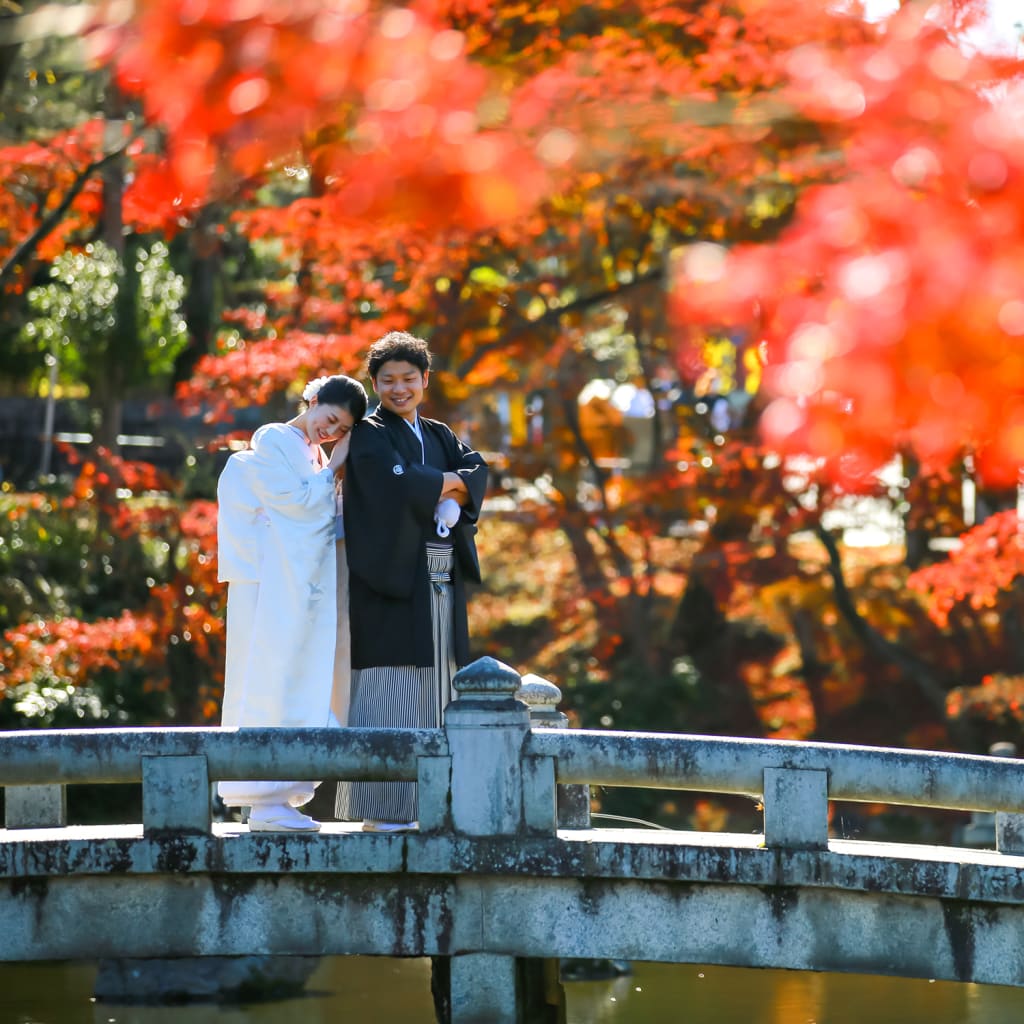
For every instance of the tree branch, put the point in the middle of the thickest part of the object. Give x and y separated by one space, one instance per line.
54 217
551 316
918 671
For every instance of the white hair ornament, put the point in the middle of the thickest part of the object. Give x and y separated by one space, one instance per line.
312 389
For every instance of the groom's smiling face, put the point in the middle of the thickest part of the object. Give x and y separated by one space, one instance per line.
399 385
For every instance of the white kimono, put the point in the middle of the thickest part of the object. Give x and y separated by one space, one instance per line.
276 551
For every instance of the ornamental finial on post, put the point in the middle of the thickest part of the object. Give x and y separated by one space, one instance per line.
485 727
488 678
540 695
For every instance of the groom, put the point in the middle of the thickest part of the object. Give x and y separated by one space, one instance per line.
412 495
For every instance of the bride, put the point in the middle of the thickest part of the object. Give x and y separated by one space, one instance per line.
280 549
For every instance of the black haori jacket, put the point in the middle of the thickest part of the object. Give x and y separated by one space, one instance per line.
391 489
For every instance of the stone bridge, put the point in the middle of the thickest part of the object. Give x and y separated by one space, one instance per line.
506 873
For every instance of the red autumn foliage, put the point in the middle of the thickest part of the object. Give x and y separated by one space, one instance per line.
997 696
988 563
39 175
614 99
75 651
36 178
892 309
173 643
238 86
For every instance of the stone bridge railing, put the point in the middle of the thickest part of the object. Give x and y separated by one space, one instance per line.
505 873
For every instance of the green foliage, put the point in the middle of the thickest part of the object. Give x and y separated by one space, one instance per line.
635 697
54 563
50 87
488 277
106 618
110 699
96 302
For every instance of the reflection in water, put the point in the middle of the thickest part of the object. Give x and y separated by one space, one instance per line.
670 993
370 990
601 1001
357 989
797 997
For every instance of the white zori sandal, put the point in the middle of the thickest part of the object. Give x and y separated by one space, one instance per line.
280 818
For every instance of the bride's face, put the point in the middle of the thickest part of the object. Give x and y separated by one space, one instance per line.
325 423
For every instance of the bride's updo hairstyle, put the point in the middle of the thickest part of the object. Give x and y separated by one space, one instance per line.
344 392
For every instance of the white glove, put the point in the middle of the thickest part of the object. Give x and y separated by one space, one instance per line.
446 515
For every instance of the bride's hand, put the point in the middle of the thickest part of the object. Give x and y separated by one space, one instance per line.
339 453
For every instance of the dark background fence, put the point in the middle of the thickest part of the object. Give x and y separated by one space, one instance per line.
152 430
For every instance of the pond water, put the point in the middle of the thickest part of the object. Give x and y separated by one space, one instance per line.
384 991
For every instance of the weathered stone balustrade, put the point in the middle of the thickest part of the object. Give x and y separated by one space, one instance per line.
794 780
176 766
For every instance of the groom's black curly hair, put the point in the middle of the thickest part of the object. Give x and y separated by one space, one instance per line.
400 346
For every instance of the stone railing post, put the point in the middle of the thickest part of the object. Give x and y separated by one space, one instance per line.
175 795
35 806
542 697
546 807
485 726
1009 828
796 808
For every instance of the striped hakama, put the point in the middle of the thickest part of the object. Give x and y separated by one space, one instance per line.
403 697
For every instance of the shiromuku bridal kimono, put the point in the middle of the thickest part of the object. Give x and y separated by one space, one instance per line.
287 660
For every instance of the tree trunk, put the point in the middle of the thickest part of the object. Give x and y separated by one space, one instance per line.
698 620
574 524
9 51
915 541
200 307
107 410
917 671
109 390
643 350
